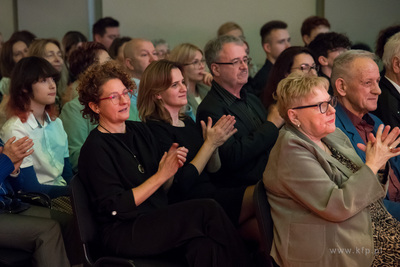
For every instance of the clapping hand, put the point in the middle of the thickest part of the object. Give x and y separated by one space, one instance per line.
172 160
220 132
18 150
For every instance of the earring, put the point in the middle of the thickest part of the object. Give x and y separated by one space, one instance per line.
298 125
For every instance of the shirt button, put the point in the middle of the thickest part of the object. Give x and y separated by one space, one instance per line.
113 213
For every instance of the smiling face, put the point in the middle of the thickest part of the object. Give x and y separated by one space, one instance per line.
194 72
175 97
53 55
44 93
110 113
361 88
313 123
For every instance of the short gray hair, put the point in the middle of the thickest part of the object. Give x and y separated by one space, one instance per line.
391 49
214 47
342 63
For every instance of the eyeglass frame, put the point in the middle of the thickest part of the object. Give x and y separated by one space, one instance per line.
237 61
125 93
314 66
332 101
196 63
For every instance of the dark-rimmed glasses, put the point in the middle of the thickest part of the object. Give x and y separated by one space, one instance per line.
116 98
236 62
323 106
197 63
307 68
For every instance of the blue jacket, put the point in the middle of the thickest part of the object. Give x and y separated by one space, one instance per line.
344 123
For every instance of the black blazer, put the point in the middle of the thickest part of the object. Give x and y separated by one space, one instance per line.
388 104
244 155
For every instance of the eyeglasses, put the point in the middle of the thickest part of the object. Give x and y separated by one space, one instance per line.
197 63
323 106
307 68
116 98
236 62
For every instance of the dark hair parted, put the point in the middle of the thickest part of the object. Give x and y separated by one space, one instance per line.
91 82
383 37
7 63
100 26
268 27
155 79
24 35
27 72
70 40
280 70
116 44
311 23
324 42
84 56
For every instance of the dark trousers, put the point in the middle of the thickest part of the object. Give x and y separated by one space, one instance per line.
200 229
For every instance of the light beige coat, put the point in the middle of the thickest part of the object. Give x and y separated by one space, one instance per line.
319 207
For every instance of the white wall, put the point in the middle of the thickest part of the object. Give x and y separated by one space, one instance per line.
197 22
362 20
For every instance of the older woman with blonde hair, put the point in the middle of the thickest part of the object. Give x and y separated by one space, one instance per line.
326 203
192 59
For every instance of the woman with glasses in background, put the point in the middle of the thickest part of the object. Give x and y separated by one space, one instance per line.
326 204
293 59
193 62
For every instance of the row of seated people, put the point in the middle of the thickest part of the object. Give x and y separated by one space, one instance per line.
244 140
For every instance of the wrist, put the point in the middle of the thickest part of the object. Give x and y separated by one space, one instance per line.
15 173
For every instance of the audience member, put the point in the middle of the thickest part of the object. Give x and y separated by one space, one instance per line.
160 102
383 37
361 46
312 26
50 50
294 59
388 109
24 35
22 226
162 48
126 182
12 52
324 198
117 47
193 62
245 154
230 28
326 47
105 30
355 80
275 39
32 113
70 42
77 127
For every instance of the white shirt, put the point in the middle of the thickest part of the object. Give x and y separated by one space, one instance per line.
394 84
50 146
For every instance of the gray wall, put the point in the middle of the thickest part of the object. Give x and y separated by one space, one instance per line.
197 21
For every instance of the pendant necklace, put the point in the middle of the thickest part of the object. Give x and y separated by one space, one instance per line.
140 167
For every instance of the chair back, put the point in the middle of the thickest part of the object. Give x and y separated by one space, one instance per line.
264 219
84 217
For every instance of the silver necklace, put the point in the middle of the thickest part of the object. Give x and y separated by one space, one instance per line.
140 166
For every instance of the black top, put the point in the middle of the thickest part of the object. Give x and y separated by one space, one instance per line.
259 82
188 184
109 171
245 154
388 104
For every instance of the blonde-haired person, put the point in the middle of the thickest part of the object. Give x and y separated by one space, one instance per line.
324 199
50 49
192 59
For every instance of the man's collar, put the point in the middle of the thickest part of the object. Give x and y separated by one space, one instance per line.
394 84
356 120
227 96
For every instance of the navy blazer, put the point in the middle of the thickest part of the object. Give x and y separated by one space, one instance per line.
245 154
344 123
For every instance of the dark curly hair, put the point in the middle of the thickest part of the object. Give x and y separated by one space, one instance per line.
383 37
91 82
324 42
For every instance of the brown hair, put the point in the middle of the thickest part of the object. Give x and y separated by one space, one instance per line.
155 79
91 82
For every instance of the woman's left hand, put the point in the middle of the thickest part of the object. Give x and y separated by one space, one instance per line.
220 132
172 161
